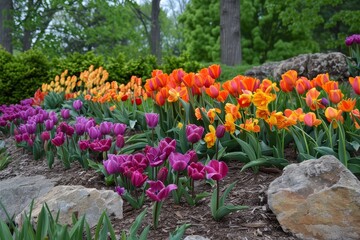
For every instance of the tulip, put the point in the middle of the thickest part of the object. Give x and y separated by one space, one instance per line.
335 96
220 131
158 192
111 166
311 120
179 161
102 145
77 104
120 141
194 133
196 171
355 84
347 105
49 124
193 156
30 127
65 113
167 146
45 136
59 139
119 128
162 174
138 178
94 132
84 144
153 156
216 170
152 119
106 127
210 137
120 190
214 71
79 128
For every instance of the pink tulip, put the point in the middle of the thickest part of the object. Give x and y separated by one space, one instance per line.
179 161
158 192
216 170
196 171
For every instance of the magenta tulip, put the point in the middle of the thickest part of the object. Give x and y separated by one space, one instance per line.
111 166
216 170
152 119
120 141
106 127
220 131
65 113
59 139
49 124
153 156
193 155
119 128
162 174
194 133
196 171
158 192
179 161
120 190
138 178
77 104
94 132
102 145
45 136
84 145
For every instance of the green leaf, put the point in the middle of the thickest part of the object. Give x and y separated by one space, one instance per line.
246 148
136 225
326 151
213 203
42 225
226 193
354 168
254 163
239 156
144 233
343 154
225 210
133 147
179 232
5 233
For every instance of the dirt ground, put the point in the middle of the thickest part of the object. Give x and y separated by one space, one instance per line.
257 222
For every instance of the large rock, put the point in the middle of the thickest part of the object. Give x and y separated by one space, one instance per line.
317 199
308 65
80 201
16 193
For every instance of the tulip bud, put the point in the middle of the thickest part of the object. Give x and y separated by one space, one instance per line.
220 131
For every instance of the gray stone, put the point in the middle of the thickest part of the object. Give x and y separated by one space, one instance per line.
16 193
307 65
195 237
317 199
79 200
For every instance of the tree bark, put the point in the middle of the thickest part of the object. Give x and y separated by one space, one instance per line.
6 24
230 32
155 30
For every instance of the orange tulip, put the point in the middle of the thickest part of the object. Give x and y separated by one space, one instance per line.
249 83
347 105
267 86
210 137
212 114
330 85
320 80
199 80
178 75
355 115
231 87
214 71
233 110
251 125
156 72
335 96
302 85
288 81
312 99
311 120
244 99
262 113
198 113
296 115
223 94
355 83
189 79
261 100
213 90
333 114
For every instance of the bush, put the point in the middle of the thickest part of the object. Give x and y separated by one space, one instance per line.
183 61
22 75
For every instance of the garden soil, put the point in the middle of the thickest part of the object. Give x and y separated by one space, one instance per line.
257 222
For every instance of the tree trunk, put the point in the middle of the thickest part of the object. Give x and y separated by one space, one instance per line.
230 32
6 24
155 30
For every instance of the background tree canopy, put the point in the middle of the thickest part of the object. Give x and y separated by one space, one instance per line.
270 29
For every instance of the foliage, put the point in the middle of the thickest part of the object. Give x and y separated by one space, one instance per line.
184 61
22 75
4 157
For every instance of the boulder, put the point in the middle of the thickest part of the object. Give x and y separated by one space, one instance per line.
308 65
79 200
16 193
317 199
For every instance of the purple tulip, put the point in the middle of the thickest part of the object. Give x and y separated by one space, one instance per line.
216 170
59 139
120 190
90 123
353 39
325 102
162 174
138 178
119 128
18 138
84 144
105 127
167 146
120 141
158 192
49 124
194 133
45 136
102 145
152 119
65 113
53 117
193 155
179 161
94 132
79 128
30 127
111 166
77 104
196 171
25 137
153 156
139 161
220 131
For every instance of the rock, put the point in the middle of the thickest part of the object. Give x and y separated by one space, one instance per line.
17 193
79 200
317 199
195 237
308 65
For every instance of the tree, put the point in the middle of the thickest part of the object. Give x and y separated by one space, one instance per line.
6 24
155 29
230 32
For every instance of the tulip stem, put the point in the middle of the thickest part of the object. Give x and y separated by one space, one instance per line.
217 194
156 214
216 149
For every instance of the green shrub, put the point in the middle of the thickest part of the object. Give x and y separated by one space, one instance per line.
22 75
229 72
183 61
